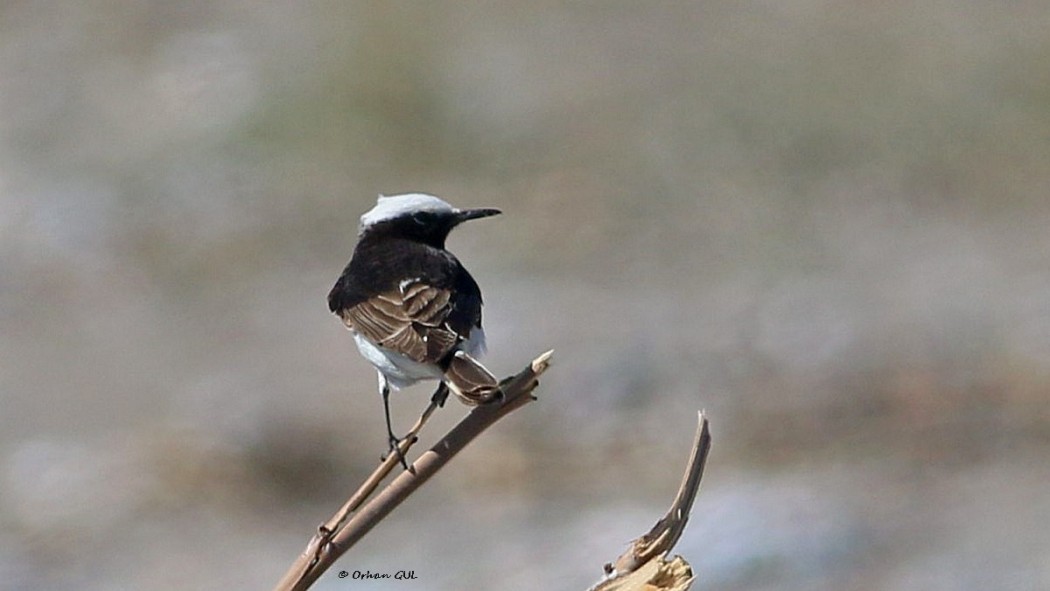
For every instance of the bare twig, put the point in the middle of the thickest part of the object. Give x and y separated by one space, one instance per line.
354 520
336 522
643 565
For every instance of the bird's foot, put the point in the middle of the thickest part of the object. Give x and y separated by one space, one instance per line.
395 448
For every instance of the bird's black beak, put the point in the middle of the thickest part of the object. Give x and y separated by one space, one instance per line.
473 214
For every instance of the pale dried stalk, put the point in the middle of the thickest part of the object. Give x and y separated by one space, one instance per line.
644 565
346 527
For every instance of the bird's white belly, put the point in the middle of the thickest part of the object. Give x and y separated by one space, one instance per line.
400 371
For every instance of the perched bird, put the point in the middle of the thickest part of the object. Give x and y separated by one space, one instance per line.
413 309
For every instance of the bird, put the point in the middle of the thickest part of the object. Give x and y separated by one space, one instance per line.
413 309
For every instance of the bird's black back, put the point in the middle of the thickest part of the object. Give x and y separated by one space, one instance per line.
380 263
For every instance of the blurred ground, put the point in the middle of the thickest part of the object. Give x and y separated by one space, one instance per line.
824 223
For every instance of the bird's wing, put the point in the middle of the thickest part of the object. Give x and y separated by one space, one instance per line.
410 320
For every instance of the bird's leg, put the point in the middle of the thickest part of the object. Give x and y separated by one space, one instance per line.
393 440
440 395
436 401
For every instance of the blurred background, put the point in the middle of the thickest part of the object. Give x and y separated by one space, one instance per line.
824 223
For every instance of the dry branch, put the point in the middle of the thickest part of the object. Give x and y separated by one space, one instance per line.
644 566
356 518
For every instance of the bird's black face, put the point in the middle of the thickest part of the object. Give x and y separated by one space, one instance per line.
433 227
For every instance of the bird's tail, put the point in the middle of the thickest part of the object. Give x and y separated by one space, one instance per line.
469 380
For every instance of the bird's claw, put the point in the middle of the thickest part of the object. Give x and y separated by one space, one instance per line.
395 448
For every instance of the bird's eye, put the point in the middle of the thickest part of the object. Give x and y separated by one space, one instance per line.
421 217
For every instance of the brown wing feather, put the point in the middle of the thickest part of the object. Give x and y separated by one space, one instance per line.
373 320
439 342
409 320
408 342
428 306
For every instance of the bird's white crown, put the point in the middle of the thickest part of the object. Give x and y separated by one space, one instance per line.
390 207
